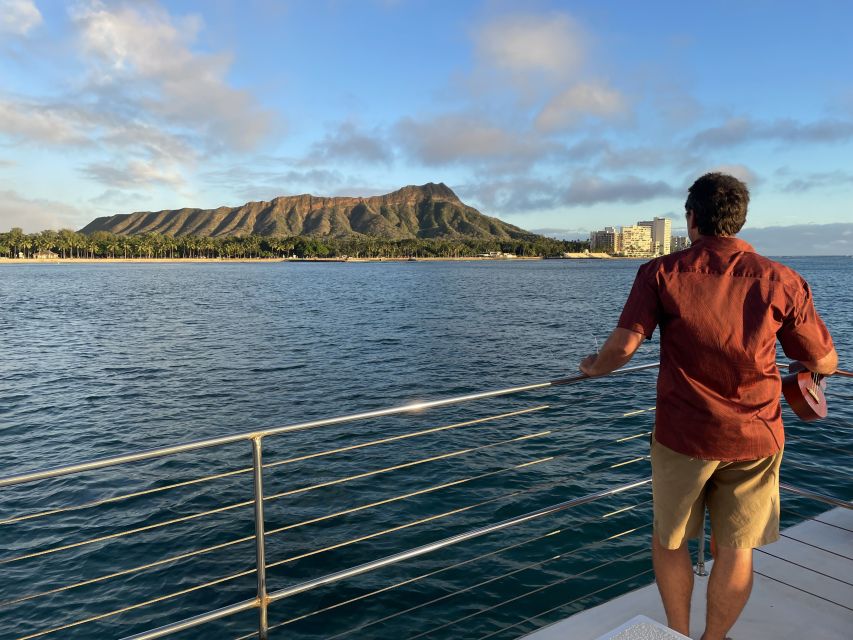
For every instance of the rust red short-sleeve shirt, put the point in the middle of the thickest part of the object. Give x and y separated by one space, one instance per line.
721 307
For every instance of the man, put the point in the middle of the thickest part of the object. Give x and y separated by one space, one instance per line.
718 435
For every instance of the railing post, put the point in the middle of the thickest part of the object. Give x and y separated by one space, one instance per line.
699 569
258 468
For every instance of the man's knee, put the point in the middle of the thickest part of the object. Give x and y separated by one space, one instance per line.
733 559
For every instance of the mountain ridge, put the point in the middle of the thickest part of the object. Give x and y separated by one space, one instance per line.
431 210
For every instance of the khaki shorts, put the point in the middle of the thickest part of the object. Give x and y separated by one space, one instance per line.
742 498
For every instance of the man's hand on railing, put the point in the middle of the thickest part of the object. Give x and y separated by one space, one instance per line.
617 350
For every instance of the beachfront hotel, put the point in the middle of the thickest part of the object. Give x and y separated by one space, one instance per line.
646 239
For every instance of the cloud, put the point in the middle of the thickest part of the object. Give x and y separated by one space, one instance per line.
133 174
33 215
740 130
739 171
347 142
18 17
802 239
553 46
524 194
587 189
52 124
142 47
513 195
116 198
563 234
818 180
275 179
467 138
148 106
590 99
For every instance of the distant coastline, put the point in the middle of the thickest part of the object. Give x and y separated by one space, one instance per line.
49 261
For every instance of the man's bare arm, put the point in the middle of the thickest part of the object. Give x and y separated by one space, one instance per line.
825 366
617 350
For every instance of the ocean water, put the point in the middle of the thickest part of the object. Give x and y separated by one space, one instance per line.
103 359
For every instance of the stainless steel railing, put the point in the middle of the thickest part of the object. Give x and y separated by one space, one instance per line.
263 597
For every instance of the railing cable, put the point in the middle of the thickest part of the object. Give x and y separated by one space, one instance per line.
566 604
431 547
532 591
268 465
456 565
483 583
220 546
274 564
270 532
414 407
276 496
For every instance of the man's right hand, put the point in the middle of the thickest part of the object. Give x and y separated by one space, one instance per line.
825 366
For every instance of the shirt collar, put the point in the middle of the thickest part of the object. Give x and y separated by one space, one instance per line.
729 244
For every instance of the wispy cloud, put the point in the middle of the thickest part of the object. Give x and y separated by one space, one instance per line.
830 180
469 138
148 107
513 195
346 143
550 46
802 239
134 174
141 56
588 189
44 122
739 171
742 130
584 100
521 194
19 17
37 214
563 234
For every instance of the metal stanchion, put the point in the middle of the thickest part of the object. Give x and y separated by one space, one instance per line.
258 469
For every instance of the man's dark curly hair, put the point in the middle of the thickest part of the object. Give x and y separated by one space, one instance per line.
719 203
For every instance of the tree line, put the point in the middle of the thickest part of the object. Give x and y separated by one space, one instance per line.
101 244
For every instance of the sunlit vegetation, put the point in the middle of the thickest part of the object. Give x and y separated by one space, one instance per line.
100 244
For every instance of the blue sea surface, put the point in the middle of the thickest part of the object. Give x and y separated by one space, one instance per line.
104 359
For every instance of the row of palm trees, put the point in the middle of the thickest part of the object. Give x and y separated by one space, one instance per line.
100 244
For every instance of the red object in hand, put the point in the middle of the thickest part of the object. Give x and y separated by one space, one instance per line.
803 391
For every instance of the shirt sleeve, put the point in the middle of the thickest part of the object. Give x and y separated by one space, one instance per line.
640 313
803 334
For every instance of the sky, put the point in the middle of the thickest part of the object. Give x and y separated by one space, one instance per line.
559 117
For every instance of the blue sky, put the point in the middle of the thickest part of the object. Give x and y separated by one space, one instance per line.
555 116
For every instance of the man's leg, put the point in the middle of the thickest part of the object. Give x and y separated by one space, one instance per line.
674 577
728 590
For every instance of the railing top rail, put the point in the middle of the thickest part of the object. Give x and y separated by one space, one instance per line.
101 463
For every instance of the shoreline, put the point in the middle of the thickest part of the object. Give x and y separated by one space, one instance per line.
48 261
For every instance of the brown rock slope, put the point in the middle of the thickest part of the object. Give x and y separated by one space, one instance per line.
427 211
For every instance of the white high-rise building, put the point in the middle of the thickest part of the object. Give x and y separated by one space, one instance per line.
637 241
661 234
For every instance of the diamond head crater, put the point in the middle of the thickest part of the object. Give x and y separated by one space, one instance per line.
426 221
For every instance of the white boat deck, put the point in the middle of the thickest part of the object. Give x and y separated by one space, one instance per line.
803 590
